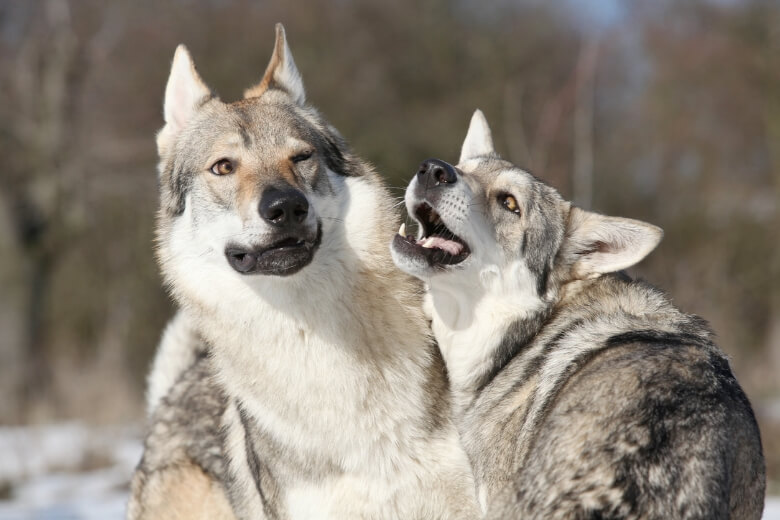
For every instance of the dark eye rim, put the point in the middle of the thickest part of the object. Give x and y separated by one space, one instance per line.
215 167
502 200
301 156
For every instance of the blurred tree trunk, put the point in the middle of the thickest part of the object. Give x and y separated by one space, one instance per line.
51 53
582 174
40 263
772 89
45 88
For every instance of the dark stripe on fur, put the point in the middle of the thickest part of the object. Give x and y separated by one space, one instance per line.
518 335
655 336
254 462
337 157
533 366
174 183
541 281
574 324
540 240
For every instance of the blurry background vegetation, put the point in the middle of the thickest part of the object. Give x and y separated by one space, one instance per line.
667 111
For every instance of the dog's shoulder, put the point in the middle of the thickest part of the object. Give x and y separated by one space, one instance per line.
184 445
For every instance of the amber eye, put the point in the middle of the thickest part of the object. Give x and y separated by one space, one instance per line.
509 203
223 167
300 157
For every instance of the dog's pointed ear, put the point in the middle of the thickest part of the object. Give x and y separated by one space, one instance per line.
281 72
598 244
478 140
184 94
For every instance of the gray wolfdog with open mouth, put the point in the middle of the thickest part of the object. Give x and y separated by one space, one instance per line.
300 379
578 392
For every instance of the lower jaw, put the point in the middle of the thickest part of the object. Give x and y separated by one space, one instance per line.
286 261
435 258
284 266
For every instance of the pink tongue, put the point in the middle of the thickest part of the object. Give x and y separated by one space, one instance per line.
452 247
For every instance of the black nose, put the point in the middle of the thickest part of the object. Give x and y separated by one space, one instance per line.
283 207
434 172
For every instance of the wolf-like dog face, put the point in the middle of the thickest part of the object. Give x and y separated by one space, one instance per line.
250 187
488 224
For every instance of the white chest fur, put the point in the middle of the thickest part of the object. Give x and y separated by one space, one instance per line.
469 320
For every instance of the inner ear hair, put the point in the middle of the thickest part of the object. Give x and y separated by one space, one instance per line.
281 72
599 244
596 247
185 93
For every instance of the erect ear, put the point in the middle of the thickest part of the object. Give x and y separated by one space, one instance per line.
281 72
478 141
597 244
184 94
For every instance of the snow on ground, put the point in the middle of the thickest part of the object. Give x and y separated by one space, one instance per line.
71 472
772 509
66 472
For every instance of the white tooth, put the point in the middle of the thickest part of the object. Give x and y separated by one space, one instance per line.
402 229
428 243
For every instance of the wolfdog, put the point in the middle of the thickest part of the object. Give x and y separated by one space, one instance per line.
578 392
328 395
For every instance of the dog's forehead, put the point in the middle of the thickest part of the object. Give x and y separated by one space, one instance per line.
483 166
271 123
515 177
258 130
495 173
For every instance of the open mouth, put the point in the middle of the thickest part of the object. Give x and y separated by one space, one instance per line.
438 245
282 258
